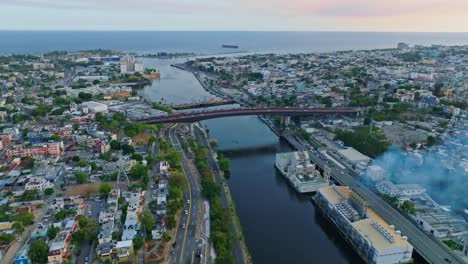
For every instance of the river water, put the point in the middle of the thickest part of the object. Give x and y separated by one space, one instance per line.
279 225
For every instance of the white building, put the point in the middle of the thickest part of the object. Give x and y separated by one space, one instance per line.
36 183
374 239
95 107
400 190
353 156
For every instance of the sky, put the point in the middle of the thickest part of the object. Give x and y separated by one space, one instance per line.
269 15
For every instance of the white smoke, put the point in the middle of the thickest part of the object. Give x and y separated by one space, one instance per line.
442 170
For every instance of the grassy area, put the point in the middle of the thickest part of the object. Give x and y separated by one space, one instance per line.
452 245
220 217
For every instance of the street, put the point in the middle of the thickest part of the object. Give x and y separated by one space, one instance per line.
187 241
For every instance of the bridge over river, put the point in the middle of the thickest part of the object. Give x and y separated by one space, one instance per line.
276 111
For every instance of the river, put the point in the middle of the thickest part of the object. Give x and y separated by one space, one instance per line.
279 225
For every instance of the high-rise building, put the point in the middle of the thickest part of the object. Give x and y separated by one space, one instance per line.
403 46
128 64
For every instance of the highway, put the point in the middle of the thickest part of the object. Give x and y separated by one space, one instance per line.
201 138
186 240
430 249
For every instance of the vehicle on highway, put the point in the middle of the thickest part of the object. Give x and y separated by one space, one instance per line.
199 254
188 201
172 252
448 260
174 244
186 212
86 259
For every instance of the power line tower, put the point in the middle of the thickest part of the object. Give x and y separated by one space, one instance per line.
122 172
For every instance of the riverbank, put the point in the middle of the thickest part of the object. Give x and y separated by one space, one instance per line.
240 249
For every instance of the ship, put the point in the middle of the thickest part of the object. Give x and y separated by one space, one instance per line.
227 46
301 173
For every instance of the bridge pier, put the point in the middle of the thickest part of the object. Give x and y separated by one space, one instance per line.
285 120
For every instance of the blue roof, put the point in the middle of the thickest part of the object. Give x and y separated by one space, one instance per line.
300 86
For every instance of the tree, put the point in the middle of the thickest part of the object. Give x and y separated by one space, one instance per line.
147 221
6 239
29 195
105 189
76 126
76 158
18 227
178 180
38 251
93 165
127 149
138 171
304 134
137 157
82 163
52 232
49 191
138 243
81 177
408 207
431 141
89 228
115 145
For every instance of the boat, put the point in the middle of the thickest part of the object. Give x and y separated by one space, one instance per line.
227 46
301 173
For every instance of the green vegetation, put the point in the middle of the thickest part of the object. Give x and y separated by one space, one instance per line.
89 228
52 232
370 143
117 122
29 195
452 245
62 214
105 189
81 177
49 191
459 104
147 221
6 239
164 108
220 218
224 164
390 113
138 243
408 207
25 218
304 134
38 252
410 57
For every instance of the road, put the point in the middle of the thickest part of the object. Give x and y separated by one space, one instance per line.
87 247
201 138
186 238
429 248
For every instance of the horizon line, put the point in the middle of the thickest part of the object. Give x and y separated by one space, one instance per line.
227 30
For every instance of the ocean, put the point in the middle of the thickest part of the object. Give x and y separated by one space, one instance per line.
210 42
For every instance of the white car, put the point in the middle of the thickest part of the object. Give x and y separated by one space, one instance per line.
186 212
188 201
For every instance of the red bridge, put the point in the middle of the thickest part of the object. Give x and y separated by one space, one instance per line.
277 111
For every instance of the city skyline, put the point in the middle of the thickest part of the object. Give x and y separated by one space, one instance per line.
261 15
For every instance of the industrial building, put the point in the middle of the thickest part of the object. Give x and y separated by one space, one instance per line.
374 240
95 107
